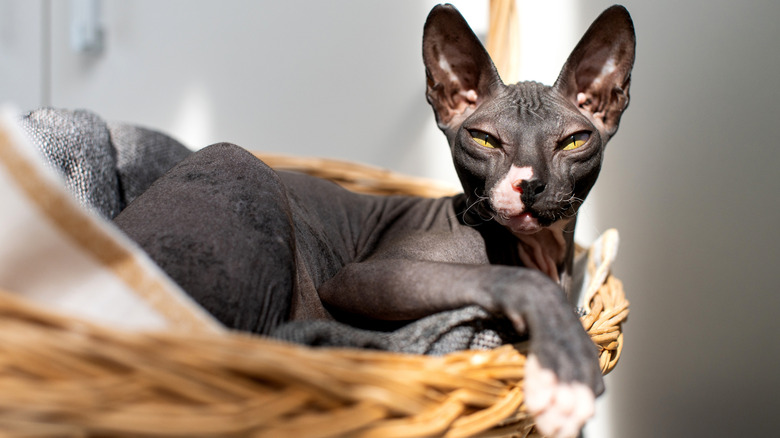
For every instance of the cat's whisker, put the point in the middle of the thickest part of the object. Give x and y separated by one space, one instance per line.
480 199
535 114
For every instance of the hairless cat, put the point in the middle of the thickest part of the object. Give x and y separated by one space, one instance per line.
258 247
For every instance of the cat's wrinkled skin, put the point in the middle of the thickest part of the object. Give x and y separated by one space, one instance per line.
257 247
527 180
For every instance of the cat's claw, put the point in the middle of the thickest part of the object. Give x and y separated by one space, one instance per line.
559 409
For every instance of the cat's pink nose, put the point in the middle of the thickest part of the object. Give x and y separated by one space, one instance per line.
518 186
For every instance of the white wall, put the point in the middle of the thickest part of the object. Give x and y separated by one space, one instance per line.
334 78
22 45
690 180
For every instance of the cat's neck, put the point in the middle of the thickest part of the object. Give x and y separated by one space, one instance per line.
550 250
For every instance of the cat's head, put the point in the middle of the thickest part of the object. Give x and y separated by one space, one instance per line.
527 154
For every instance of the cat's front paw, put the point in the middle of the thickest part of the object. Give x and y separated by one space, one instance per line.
560 409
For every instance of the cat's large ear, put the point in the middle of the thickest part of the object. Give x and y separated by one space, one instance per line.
597 75
459 71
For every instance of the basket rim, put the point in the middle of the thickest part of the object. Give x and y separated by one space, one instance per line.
219 377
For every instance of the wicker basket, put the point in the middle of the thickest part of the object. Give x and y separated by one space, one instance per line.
62 376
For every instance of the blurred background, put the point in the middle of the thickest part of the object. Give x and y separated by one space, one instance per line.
690 180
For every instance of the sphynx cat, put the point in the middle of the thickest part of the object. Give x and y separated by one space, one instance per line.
257 247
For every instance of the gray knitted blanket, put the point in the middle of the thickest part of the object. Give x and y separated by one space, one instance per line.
106 165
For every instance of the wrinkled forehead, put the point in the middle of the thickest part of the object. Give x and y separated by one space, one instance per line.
534 99
535 105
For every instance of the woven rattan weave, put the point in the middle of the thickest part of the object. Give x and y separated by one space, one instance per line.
61 376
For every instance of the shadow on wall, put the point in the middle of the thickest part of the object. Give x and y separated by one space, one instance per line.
687 181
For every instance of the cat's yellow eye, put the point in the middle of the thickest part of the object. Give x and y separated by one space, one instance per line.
484 139
575 141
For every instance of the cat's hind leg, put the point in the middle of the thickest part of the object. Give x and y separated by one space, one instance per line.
219 225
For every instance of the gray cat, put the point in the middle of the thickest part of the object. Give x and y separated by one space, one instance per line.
257 247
